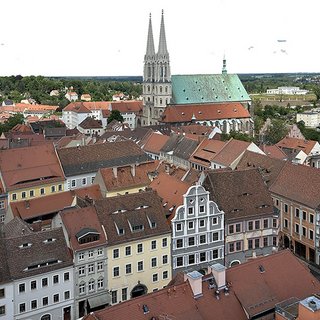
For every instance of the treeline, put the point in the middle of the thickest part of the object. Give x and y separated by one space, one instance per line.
38 88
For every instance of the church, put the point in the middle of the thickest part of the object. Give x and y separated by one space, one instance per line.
217 100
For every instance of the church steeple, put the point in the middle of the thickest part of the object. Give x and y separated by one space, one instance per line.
150 43
162 49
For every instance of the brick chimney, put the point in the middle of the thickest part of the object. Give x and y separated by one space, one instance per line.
309 308
219 273
195 281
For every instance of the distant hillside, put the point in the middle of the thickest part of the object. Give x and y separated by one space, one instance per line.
102 78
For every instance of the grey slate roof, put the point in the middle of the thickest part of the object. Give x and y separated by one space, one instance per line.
85 159
4 268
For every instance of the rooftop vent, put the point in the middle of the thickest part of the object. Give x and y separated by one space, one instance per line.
261 268
145 309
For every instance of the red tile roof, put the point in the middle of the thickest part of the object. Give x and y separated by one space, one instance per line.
273 152
297 144
202 112
21 107
155 142
31 166
77 107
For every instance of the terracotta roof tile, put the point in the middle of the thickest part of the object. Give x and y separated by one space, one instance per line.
90 123
155 142
297 144
77 107
202 112
273 151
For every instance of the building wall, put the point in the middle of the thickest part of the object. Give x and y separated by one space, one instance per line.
199 226
79 181
72 119
7 300
55 309
310 119
145 276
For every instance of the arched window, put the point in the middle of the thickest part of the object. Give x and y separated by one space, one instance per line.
148 88
160 101
160 89
46 317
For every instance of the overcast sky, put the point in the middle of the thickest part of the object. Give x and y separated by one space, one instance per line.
107 38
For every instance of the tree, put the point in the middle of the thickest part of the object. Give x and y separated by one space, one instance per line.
316 91
11 122
115 115
276 131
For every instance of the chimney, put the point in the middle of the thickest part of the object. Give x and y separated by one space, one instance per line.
133 170
195 281
115 172
167 168
219 273
309 308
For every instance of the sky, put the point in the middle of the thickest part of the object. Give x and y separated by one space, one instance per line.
108 38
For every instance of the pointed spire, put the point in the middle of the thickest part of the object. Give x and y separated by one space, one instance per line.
224 64
150 44
162 49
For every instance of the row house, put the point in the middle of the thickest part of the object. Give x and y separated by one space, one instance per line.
251 223
216 154
87 240
230 116
41 274
91 127
81 164
74 113
153 144
28 173
197 233
139 244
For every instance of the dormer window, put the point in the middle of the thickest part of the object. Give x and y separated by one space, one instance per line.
137 228
49 240
25 245
87 235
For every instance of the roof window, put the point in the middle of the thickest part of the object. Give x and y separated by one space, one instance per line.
25 245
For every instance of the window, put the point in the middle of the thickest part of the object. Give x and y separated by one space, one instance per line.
311 218
99 266
91 268
202 238
115 253
31 193
285 223
201 223
91 285
238 227
304 215
73 183
215 254
66 276
178 227
128 251
257 224
155 277
153 244
44 282
100 252
14 196
22 287
165 259
265 241
45 301
100 283
165 275
201 209
33 285
66 295
56 298
164 242
34 304
81 256
22 307
191 241
250 225
256 243
42 191
114 296
56 279
274 223
2 204
274 241
179 243
310 234
202 256
190 225
81 271
90 254
23 194
250 244
82 288
231 229
153 262
304 231
214 220
191 259
297 228
60 187
297 213
140 265
53 188
128 268
265 223
84 181
124 294
139 248
2 293
190 210
116 271
231 247
215 236
179 261
286 208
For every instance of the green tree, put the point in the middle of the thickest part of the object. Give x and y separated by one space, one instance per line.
115 115
276 131
11 122
316 91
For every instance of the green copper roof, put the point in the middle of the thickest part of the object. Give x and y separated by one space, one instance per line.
206 88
